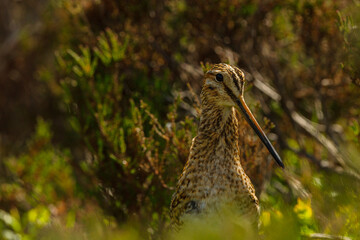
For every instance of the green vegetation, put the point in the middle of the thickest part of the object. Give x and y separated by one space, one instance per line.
99 104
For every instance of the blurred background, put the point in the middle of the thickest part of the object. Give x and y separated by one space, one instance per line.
99 103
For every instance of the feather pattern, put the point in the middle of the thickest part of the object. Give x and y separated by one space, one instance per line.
213 177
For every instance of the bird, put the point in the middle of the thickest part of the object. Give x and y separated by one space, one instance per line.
213 177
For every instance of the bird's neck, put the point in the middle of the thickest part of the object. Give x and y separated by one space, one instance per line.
218 120
219 129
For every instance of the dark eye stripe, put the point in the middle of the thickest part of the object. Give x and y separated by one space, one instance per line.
240 74
233 76
230 93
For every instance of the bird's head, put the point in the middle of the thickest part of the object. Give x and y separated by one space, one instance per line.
224 87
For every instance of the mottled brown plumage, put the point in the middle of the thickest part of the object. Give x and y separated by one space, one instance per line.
213 178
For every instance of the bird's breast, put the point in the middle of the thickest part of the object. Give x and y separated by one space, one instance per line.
220 188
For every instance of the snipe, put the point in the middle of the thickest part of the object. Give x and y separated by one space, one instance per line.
213 176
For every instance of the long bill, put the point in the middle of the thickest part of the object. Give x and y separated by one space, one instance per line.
254 124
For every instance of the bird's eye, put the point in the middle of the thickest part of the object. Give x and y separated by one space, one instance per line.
219 77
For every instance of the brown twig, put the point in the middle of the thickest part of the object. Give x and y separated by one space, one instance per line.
325 236
310 127
322 164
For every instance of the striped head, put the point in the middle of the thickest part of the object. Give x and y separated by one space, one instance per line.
223 84
224 87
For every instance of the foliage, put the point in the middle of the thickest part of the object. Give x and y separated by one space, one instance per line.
133 156
99 105
40 185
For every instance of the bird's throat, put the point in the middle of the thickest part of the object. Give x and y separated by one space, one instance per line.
219 128
215 120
